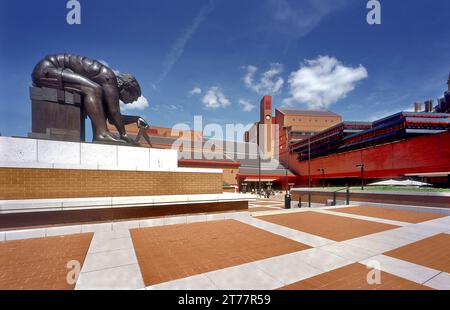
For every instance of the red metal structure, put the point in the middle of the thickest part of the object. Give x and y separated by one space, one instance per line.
422 154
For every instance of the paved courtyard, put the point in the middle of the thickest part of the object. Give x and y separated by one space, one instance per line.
267 248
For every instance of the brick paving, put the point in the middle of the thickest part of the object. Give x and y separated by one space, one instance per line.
178 251
433 252
41 263
332 227
353 277
390 214
211 254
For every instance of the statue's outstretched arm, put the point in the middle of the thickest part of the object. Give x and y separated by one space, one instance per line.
111 99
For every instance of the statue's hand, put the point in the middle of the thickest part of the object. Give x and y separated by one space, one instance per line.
128 140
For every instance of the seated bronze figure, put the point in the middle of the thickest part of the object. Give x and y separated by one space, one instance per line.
100 87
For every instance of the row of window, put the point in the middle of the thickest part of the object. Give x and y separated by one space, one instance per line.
315 120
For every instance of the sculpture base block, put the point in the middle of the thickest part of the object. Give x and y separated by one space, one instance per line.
57 115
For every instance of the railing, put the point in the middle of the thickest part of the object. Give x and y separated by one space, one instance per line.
334 203
300 200
347 189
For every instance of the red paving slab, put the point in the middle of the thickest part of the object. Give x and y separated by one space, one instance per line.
353 277
433 252
177 251
40 264
390 214
332 227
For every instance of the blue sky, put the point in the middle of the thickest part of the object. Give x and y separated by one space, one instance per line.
217 58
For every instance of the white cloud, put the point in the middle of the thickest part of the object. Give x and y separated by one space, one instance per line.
246 105
140 104
195 91
214 99
323 81
269 82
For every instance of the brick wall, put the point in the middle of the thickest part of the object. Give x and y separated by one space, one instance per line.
229 174
19 183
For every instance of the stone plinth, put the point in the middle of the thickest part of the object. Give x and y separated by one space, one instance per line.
57 114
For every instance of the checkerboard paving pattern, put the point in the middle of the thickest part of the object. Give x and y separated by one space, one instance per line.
323 248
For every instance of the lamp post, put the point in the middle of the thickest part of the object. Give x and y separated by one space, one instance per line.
259 170
309 171
323 176
287 196
362 175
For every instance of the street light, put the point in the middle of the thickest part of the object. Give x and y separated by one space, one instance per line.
362 175
309 171
323 176
287 196
259 170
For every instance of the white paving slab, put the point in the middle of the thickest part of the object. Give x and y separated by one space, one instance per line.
419 231
402 234
96 227
64 230
348 251
287 269
107 245
197 282
238 215
309 239
120 278
2 236
174 220
442 220
243 277
215 217
121 233
367 243
151 222
440 282
196 218
108 260
403 269
395 241
125 225
24 234
321 259
299 236
433 227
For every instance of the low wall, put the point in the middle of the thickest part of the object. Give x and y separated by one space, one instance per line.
44 219
440 200
24 183
17 152
44 169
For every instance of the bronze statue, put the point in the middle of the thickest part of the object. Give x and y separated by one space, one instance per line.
100 87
